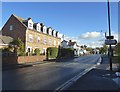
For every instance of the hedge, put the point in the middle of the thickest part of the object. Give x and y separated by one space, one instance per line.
66 52
37 51
52 53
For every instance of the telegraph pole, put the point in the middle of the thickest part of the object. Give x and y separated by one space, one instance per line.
110 49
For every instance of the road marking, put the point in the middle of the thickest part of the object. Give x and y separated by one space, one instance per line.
74 79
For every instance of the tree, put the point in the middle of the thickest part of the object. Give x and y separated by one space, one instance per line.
89 49
17 46
104 49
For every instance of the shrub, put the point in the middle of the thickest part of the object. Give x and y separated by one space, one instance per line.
37 51
66 52
52 52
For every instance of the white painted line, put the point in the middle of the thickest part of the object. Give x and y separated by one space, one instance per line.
99 61
72 80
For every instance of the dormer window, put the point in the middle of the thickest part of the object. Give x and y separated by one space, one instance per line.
30 24
50 31
44 29
38 27
54 33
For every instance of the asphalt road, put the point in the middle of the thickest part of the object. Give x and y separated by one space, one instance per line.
46 76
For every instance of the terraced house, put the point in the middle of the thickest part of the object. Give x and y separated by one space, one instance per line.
34 35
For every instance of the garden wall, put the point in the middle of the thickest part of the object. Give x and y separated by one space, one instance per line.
11 60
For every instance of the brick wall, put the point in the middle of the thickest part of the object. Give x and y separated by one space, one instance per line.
21 59
18 31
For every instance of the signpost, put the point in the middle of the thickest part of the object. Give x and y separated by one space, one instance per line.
110 42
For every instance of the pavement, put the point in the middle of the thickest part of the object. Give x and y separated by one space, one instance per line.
98 79
29 64
23 65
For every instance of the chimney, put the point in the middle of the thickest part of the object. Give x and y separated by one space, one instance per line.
70 40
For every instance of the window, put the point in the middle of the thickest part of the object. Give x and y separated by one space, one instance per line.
44 29
38 39
38 28
11 27
30 24
50 41
30 38
45 40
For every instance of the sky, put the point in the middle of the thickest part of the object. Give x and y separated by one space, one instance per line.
84 22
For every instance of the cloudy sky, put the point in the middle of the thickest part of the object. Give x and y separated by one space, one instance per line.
84 22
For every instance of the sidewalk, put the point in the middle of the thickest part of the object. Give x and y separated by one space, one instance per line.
98 79
9 67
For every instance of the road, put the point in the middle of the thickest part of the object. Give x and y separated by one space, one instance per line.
46 76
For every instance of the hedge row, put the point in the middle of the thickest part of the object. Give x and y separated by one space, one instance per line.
66 52
53 53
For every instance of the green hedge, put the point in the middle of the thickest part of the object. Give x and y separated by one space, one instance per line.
66 52
52 52
37 51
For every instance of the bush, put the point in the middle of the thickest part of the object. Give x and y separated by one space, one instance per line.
37 51
66 52
22 54
52 52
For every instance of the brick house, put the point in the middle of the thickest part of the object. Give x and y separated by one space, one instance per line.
34 35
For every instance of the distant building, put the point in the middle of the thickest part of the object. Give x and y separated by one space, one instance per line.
73 45
34 35
4 41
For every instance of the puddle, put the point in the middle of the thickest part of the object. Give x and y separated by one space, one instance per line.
117 81
118 74
106 75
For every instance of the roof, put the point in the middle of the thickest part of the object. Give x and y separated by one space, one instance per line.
5 39
20 19
71 43
64 41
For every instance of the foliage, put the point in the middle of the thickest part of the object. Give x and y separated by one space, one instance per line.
52 52
104 49
17 46
37 51
66 52
117 49
89 49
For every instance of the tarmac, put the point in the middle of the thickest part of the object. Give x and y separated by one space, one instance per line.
98 79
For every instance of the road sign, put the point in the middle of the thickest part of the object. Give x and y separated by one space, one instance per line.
110 42
110 37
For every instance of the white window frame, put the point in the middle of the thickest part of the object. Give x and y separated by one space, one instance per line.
30 37
38 40
30 24
50 42
45 40
44 29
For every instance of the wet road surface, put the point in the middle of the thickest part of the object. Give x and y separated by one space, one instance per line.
46 76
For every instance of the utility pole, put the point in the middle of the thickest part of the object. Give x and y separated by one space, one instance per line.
110 49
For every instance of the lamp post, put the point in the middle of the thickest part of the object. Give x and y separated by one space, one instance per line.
110 49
